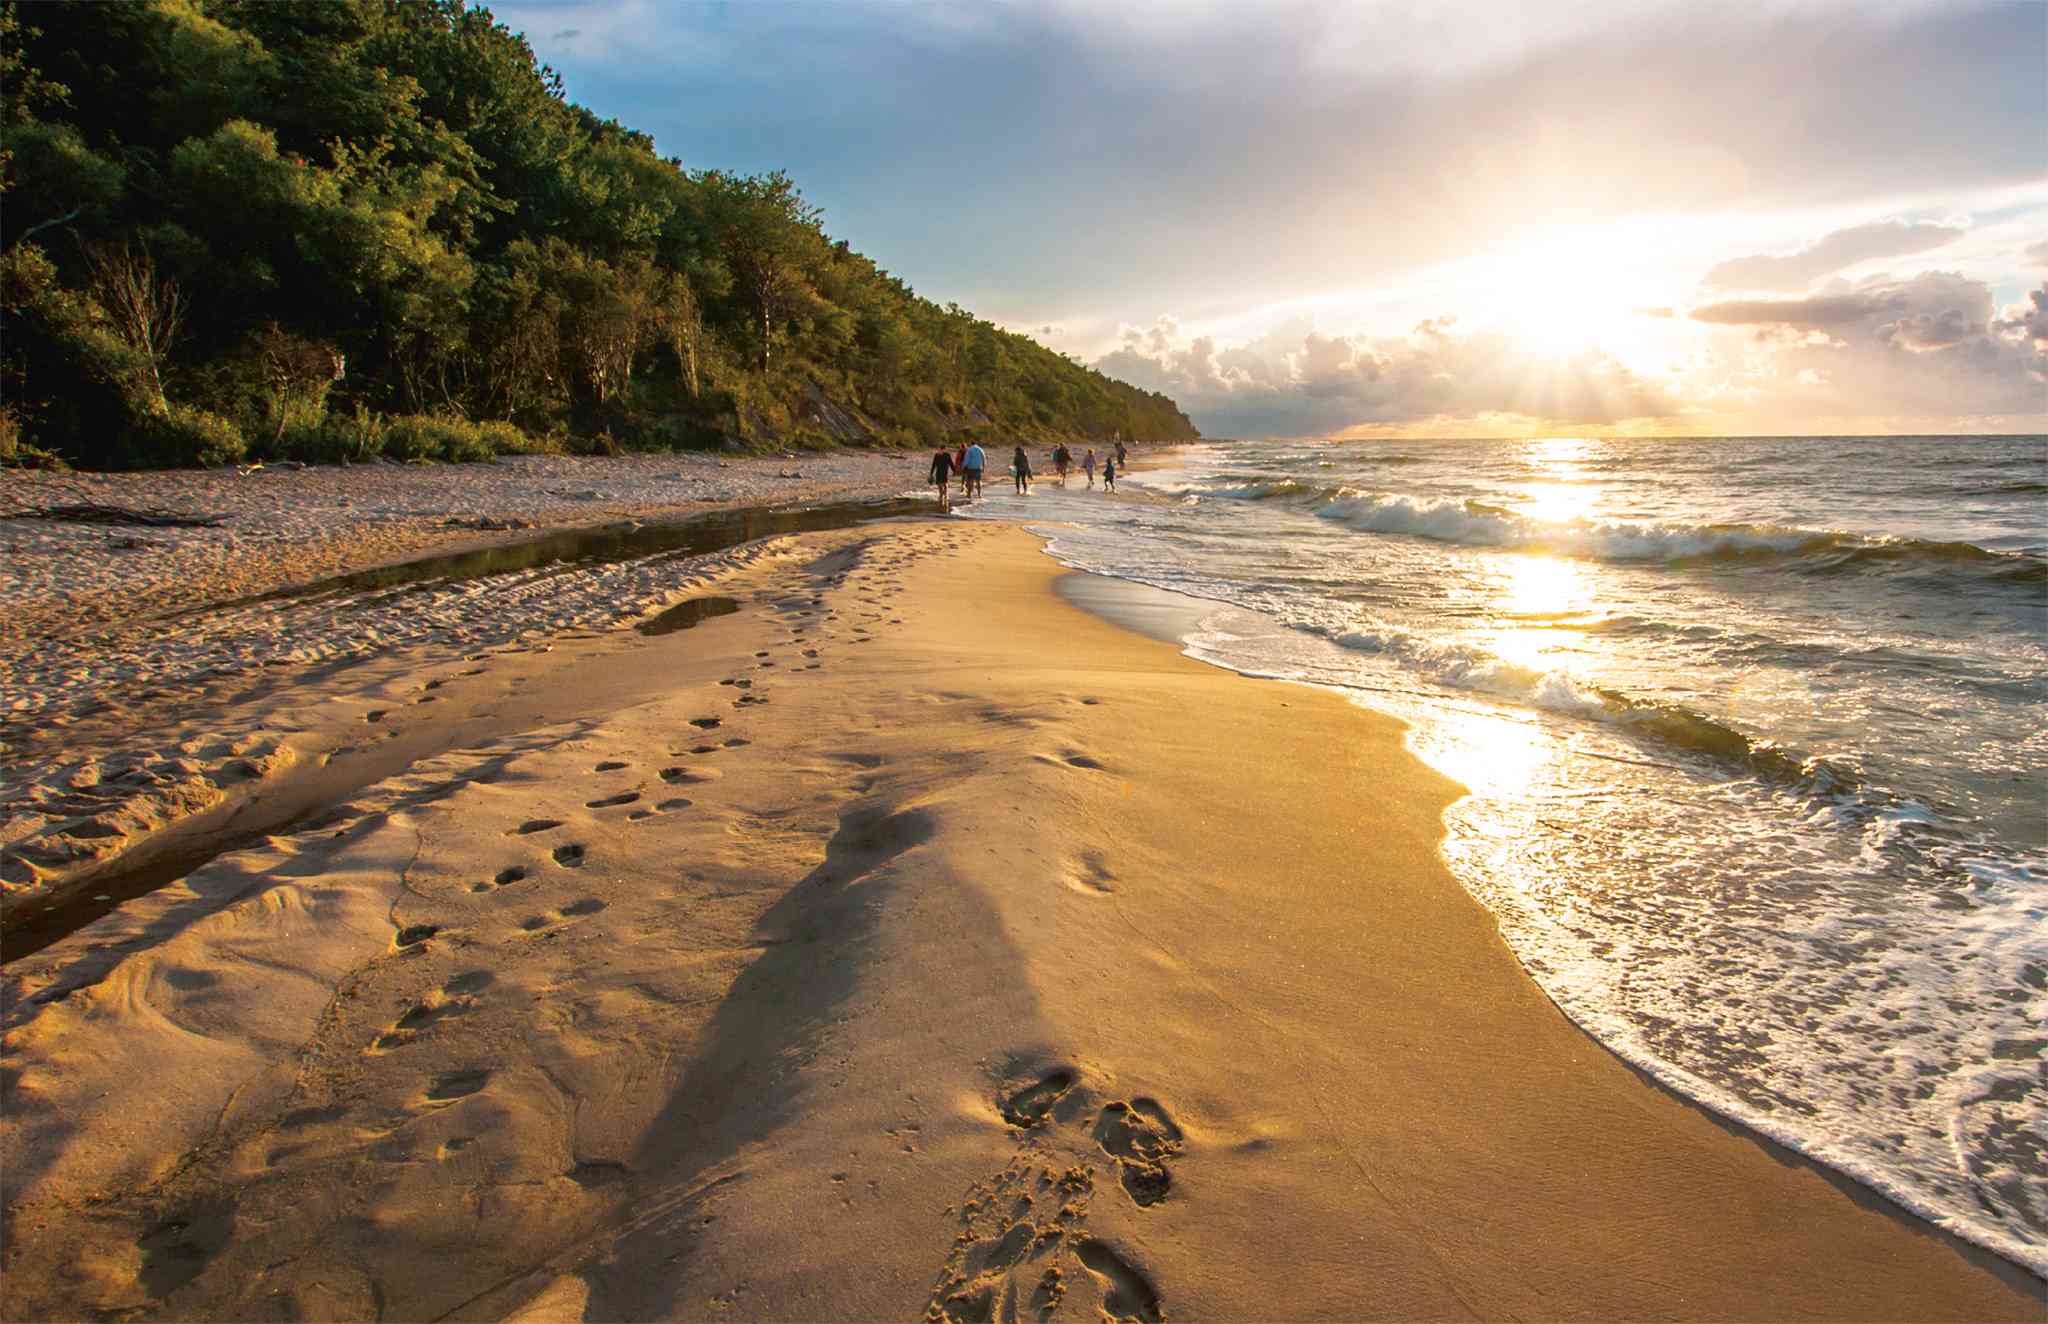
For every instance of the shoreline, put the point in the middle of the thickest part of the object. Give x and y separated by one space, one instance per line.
1168 616
953 952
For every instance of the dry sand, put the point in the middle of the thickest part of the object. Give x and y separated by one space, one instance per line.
908 943
288 525
99 678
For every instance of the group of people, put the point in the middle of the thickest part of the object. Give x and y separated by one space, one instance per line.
969 460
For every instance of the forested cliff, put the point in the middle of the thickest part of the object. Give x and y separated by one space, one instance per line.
337 229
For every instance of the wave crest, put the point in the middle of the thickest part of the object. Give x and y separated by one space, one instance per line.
1655 722
1477 524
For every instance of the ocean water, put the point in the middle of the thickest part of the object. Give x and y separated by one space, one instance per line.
1754 732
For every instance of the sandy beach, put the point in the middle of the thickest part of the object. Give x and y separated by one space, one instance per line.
122 642
904 942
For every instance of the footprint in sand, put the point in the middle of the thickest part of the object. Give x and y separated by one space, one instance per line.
1030 1105
570 856
533 825
505 878
454 1085
1140 1136
610 765
599 1172
589 905
412 935
1091 875
1126 1293
706 723
684 776
453 998
176 1250
613 801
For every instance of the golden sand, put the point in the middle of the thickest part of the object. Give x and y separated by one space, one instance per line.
907 943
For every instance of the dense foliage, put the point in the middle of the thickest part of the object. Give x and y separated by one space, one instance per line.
341 228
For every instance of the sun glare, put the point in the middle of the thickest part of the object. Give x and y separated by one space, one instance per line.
1565 293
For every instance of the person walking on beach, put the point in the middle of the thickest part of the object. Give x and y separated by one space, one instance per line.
1088 466
975 460
1061 459
1020 465
1123 459
1109 474
942 476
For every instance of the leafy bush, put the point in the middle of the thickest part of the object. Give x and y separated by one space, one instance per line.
426 437
180 435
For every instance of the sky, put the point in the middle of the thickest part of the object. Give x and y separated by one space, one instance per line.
1377 219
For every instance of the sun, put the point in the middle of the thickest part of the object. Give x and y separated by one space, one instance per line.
1564 293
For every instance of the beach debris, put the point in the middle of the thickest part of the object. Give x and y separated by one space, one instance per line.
95 513
485 523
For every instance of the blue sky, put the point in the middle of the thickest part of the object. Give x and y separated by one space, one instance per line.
1348 218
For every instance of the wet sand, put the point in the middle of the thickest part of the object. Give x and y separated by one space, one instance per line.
908 942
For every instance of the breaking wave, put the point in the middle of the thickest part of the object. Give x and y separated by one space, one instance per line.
1478 524
1667 725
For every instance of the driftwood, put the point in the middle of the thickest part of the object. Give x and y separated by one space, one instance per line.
96 514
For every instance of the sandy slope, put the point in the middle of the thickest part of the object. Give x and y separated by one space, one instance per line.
906 943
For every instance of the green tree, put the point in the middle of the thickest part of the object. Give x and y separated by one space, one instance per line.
769 236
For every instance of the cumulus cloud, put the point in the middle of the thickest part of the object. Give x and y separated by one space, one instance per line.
1834 252
2028 320
2038 253
1297 381
1930 351
1927 347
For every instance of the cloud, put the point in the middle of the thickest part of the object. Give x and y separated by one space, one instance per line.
1843 248
1923 352
1933 310
1296 381
2037 253
1928 347
1162 155
2028 320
